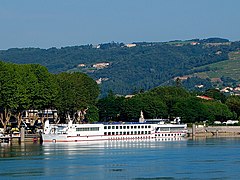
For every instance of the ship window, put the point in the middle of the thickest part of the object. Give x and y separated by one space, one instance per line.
149 132
124 133
127 127
105 127
124 127
145 126
176 129
164 129
113 133
120 133
109 127
131 132
131 127
139 132
116 133
109 133
120 127
116 127
135 127
138 127
145 132
127 133
113 127
105 133
94 128
88 129
149 126
142 132
142 127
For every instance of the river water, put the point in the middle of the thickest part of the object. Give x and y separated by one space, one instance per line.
207 158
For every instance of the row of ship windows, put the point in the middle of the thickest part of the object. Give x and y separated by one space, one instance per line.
127 127
127 133
88 129
167 134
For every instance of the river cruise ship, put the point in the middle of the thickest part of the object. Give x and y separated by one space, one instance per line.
111 131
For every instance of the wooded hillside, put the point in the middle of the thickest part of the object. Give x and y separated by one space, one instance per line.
126 69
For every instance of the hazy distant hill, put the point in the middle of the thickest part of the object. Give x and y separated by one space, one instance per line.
127 68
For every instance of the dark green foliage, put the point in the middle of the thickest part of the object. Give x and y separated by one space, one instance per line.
214 40
233 102
92 114
167 102
77 92
24 87
153 106
218 111
194 84
31 86
215 94
227 81
145 66
190 110
110 107
132 109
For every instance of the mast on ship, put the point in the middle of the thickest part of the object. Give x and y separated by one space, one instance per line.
141 119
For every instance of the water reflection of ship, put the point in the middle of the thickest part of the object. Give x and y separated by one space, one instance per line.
142 143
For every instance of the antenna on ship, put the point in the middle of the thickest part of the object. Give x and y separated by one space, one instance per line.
141 119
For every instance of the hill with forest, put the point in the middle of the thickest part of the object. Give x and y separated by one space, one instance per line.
223 75
139 66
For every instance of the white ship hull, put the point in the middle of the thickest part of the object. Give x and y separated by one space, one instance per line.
100 132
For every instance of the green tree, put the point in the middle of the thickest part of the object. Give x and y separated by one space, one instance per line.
10 91
153 107
216 94
77 93
131 109
110 107
170 95
233 102
92 114
190 110
217 111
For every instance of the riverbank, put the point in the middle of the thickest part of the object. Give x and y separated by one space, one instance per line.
201 131
18 139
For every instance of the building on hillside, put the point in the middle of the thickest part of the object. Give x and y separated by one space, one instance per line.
129 96
100 80
199 86
81 65
101 65
205 97
194 43
130 45
226 90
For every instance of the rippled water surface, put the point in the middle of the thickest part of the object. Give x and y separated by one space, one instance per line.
211 158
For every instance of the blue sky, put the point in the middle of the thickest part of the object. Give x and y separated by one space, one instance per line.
60 23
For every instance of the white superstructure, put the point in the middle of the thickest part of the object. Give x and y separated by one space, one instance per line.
111 131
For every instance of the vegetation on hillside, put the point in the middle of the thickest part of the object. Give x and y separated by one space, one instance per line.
131 68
